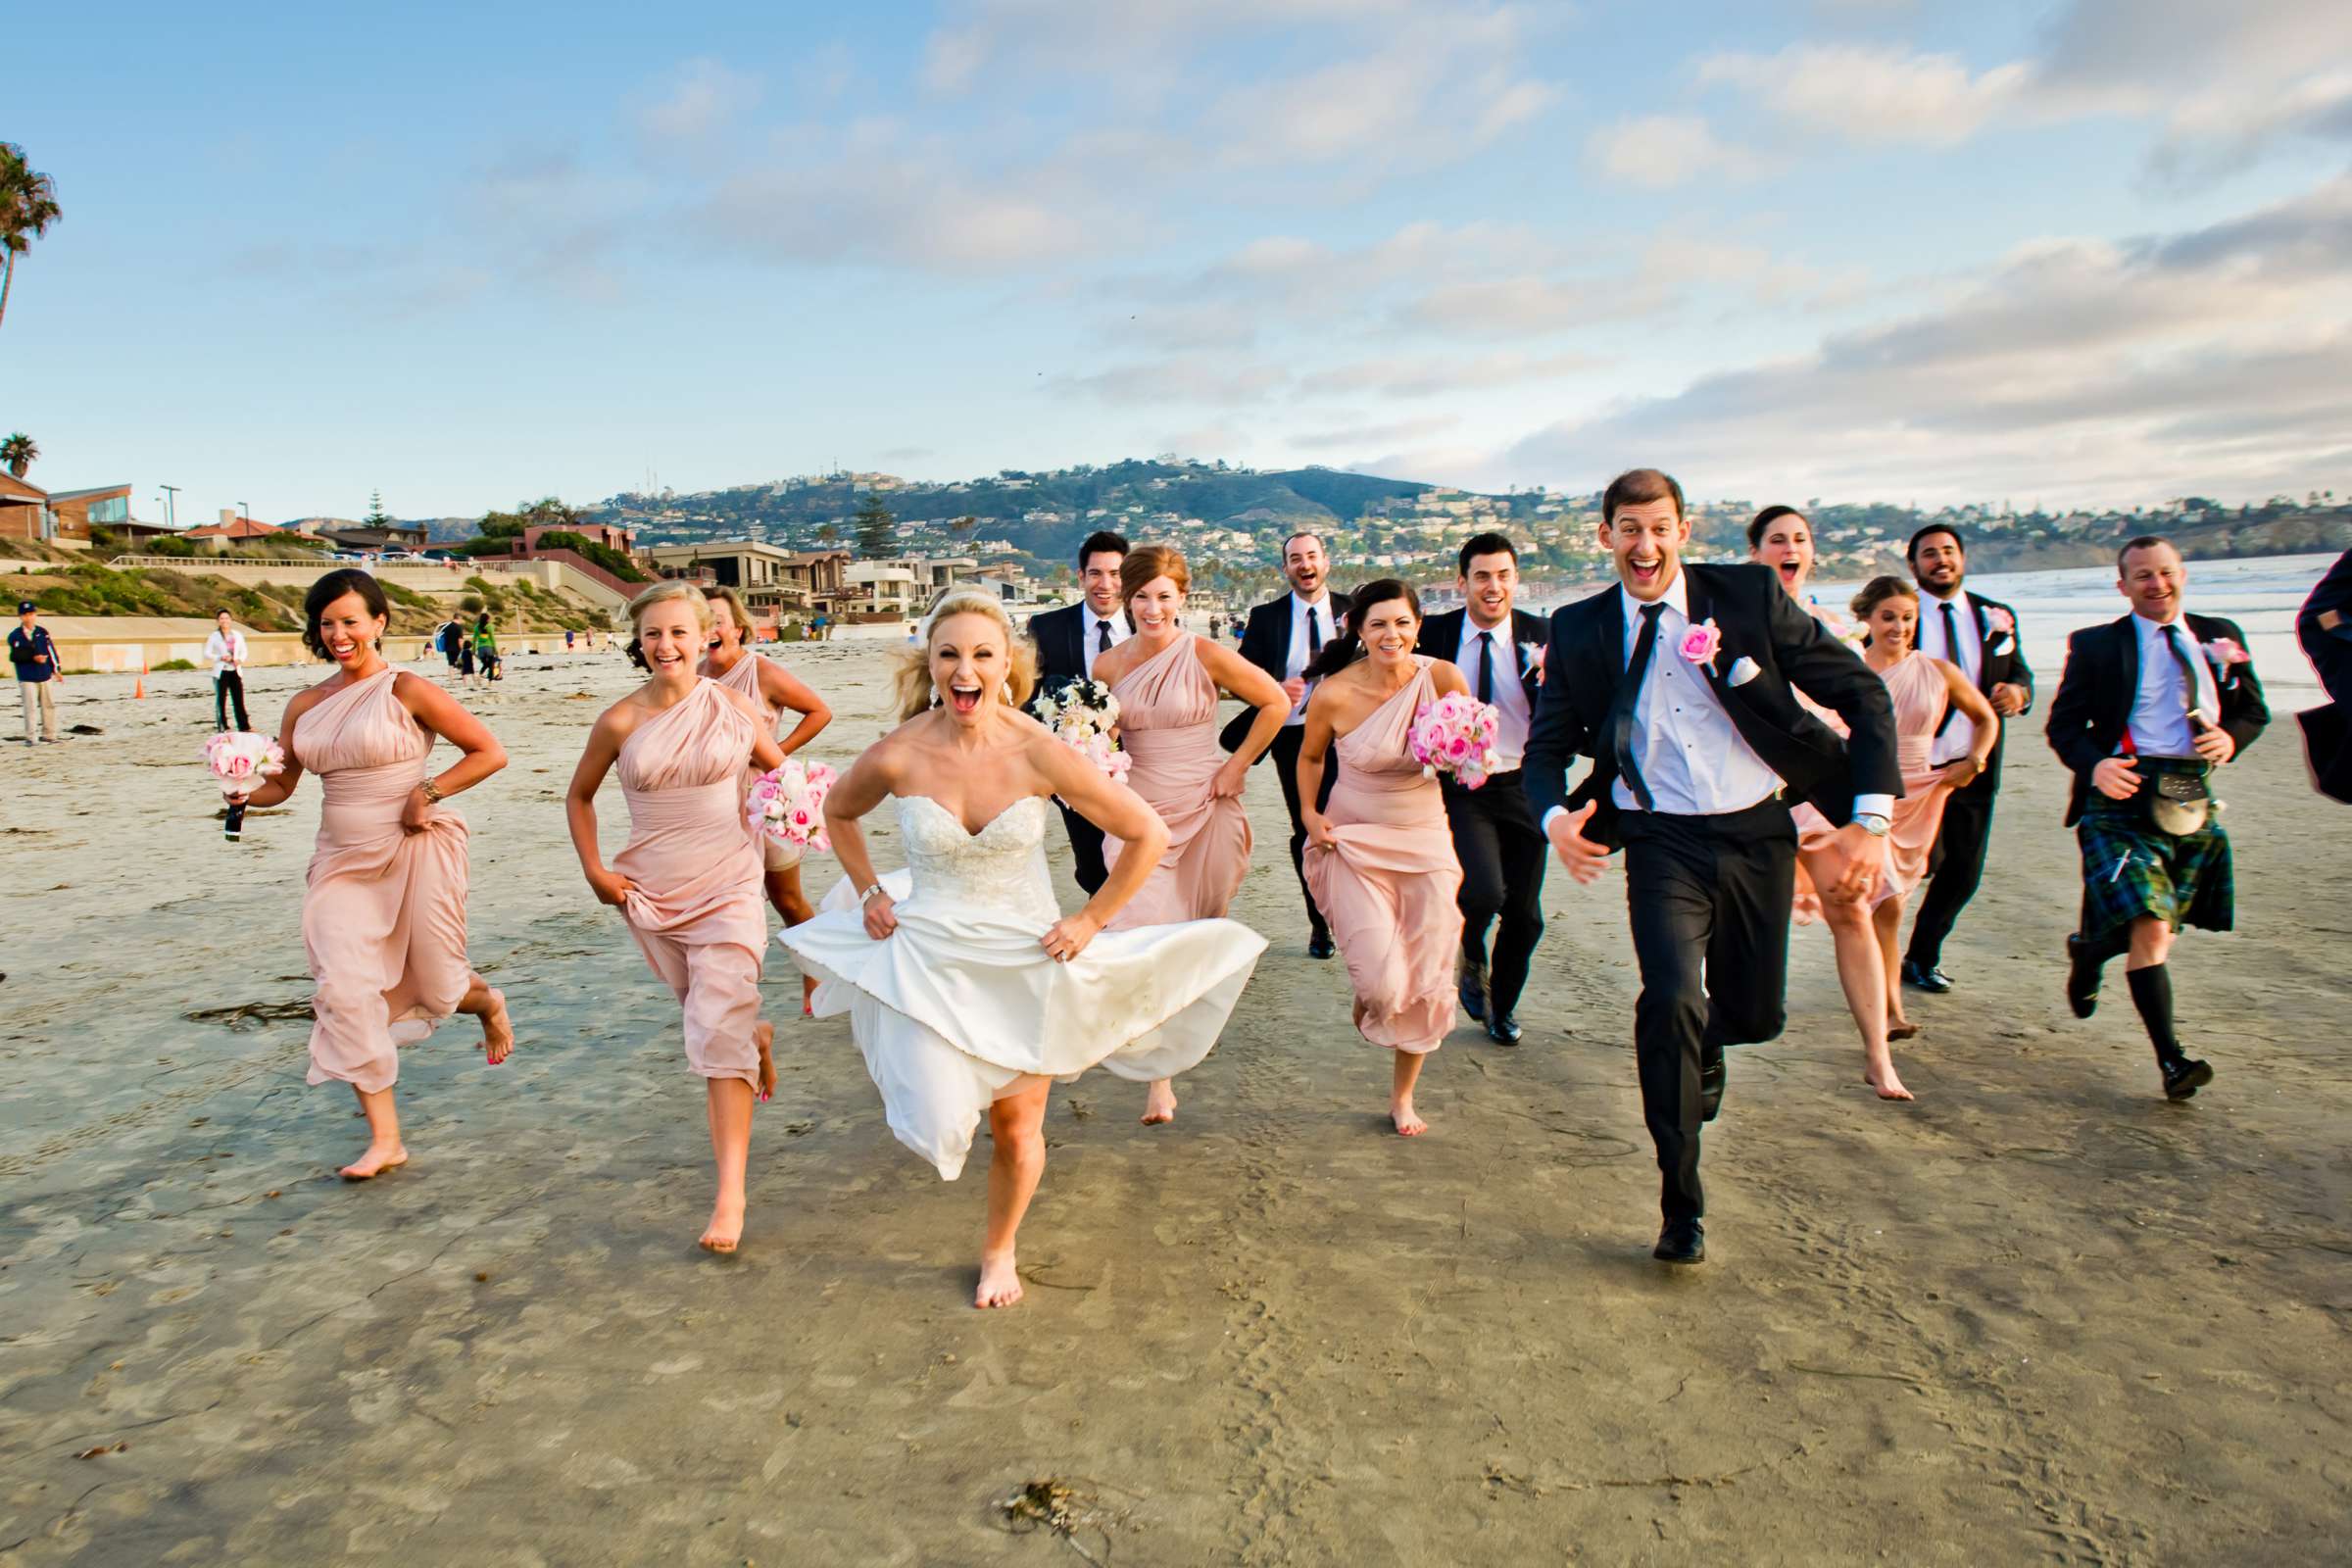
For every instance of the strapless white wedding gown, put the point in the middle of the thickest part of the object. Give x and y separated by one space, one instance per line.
960 1000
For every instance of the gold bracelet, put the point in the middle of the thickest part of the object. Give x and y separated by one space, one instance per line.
432 792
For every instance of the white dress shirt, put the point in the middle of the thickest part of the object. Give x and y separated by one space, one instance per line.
1511 697
1300 656
226 652
1959 736
1692 756
1091 636
2159 721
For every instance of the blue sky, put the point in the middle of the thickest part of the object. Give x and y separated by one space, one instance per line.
1856 248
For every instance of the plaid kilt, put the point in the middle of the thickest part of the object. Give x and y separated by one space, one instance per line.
2132 868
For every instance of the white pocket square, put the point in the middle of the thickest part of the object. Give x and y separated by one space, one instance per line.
2001 645
1743 671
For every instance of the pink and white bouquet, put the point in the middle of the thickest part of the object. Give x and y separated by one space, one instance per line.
1083 715
787 804
240 760
1457 734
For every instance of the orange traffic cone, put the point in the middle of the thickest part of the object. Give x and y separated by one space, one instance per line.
138 688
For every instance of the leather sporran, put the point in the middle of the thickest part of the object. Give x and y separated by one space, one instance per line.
2178 802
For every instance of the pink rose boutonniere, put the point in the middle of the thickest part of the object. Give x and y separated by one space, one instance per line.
2227 656
1699 643
1531 658
2000 621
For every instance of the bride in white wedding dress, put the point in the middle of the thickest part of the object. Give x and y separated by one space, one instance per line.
968 988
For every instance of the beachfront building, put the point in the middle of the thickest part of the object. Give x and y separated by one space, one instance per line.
376 540
596 533
59 516
884 589
234 530
819 575
759 571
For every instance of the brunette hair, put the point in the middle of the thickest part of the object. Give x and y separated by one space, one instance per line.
331 587
1100 543
1348 646
1911 550
1634 486
1149 562
1484 544
1770 515
735 606
1878 591
912 677
2145 541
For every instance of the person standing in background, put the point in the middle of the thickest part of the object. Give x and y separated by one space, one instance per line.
1500 650
34 653
1068 641
1983 639
1284 638
226 653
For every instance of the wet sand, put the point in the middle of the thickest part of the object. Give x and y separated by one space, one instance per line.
2040 1314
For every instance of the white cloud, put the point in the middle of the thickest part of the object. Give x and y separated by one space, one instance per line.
1362 437
1661 151
702 96
1872 94
1436 375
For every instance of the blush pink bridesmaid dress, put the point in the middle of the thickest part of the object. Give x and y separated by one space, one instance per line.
383 916
1389 888
696 909
1168 725
1917 685
744 676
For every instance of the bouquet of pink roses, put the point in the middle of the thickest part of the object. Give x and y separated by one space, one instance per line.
787 804
1083 715
1457 734
240 760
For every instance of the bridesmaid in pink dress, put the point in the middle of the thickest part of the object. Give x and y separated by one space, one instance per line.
383 914
1167 681
1923 689
1380 857
732 664
689 879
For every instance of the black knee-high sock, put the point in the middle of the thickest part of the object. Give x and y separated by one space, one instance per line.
2152 994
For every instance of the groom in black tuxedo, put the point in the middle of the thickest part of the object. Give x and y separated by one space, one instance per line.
1283 638
1068 642
1678 683
1500 650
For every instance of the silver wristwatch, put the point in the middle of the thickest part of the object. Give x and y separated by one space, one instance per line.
869 894
1872 824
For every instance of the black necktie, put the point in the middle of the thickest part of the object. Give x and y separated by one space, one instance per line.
1102 636
2189 676
1628 697
1314 634
1485 667
1952 636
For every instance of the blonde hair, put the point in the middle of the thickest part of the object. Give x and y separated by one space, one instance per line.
744 623
913 678
662 593
1878 591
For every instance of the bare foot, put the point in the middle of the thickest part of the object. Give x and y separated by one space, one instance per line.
380 1157
765 1035
1884 1081
1408 1121
498 1029
1000 1282
1899 1027
1159 1105
726 1226
807 995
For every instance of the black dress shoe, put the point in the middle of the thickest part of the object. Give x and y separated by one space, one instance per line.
1319 946
1931 978
2183 1076
1683 1241
1712 1076
1473 992
2082 978
1503 1029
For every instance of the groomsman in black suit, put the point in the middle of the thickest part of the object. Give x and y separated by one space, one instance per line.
2147 708
1283 638
2324 628
1500 650
1068 642
1679 683
1981 636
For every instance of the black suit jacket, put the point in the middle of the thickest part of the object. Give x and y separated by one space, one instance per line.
1266 643
1442 638
1060 639
1584 676
2101 683
2328 728
2009 664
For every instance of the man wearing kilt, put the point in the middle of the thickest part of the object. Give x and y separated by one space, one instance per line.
2148 707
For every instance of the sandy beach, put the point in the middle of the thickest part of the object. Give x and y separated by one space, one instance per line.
2040 1314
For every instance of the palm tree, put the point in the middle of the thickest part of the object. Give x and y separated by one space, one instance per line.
27 207
18 452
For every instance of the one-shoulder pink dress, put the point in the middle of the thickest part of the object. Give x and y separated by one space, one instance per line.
1389 888
1917 685
1168 726
697 909
383 916
744 676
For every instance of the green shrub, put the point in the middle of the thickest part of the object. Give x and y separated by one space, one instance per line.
170 664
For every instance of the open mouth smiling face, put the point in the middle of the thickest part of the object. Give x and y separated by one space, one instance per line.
1646 540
